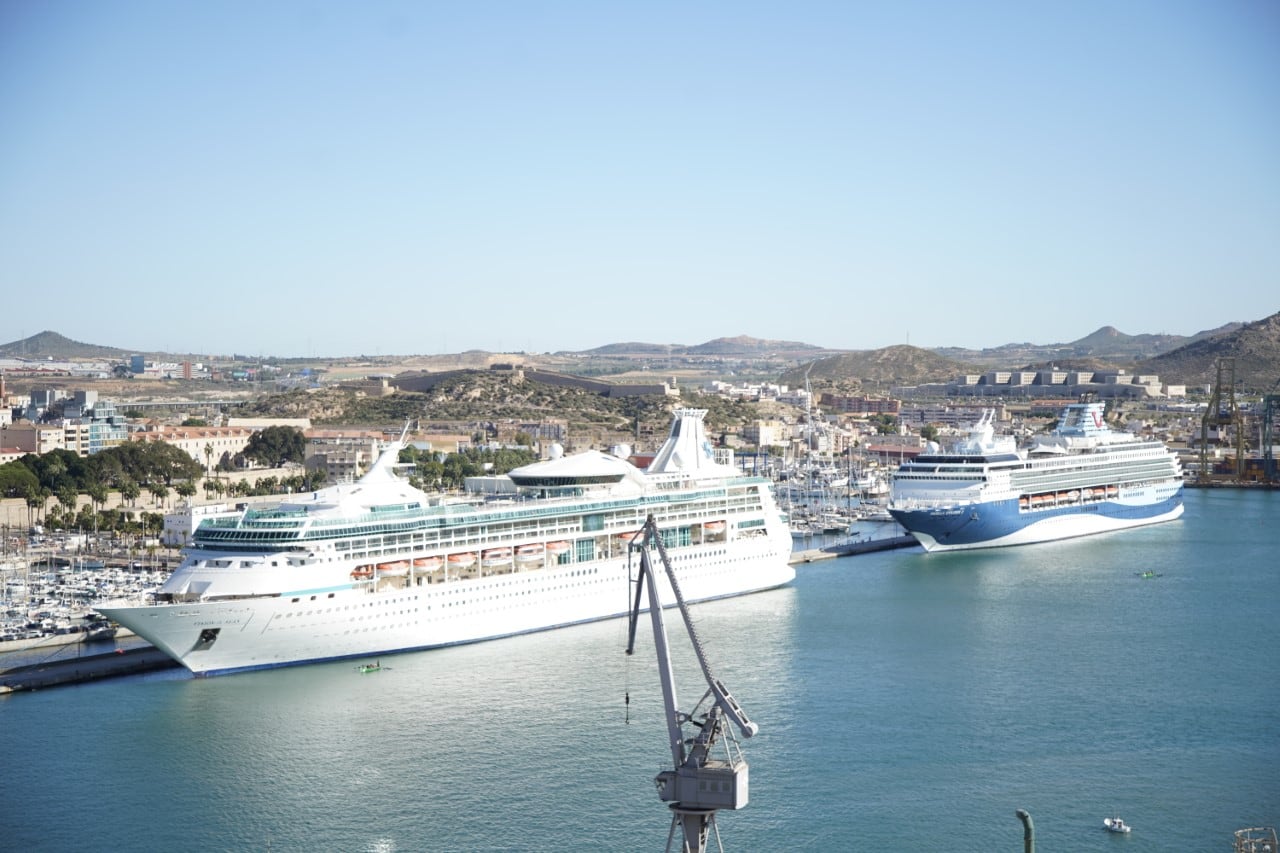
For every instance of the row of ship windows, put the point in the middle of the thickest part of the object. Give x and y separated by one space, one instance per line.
403 546
382 604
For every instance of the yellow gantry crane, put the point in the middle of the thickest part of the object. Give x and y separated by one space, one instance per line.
700 784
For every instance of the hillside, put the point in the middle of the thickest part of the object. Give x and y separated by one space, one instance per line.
742 346
1254 346
471 398
53 345
895 365
1107 347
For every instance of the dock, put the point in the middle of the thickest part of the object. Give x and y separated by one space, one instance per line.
848 549
81 669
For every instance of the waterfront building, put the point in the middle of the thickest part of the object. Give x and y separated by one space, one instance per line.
343 454
1047 384
860 405
223 443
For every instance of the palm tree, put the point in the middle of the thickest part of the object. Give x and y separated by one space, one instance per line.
34 498
159 491
185 488
98 494
129 490
67 496
208 466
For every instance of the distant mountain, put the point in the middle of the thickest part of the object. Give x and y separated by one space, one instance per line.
1108 346
53 345
895 365
741 346
632 348
1254 346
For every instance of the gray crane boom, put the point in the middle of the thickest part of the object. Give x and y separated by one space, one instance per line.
700 784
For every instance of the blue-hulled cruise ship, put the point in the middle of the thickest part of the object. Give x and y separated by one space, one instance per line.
1080 479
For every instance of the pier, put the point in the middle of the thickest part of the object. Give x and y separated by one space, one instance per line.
848 549
78 670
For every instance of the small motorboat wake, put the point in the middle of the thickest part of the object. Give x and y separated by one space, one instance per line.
1115 824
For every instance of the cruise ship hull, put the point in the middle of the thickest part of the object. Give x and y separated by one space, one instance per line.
1001 523
213 638
378 566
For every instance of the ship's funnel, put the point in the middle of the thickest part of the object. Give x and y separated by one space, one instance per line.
687 449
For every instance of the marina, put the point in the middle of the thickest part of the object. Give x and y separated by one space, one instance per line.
887 687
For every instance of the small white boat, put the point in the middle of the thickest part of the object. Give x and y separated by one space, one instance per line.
1115 824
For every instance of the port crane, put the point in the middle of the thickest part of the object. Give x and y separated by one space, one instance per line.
700 784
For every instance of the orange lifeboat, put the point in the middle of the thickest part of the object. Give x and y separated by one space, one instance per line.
713 526
530 553
360 573
463 560
429 564
630 536
495 556
555 549
398 568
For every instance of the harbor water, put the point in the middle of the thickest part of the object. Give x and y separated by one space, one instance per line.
905 702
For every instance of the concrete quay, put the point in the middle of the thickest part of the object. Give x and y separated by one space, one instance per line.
848 549
81 669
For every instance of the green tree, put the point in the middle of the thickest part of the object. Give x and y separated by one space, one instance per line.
98 494
16 480
130 490
208 464
185 488
276 445
929 432
68 496
34 498
158 491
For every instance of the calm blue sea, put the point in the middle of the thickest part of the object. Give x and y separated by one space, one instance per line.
905 702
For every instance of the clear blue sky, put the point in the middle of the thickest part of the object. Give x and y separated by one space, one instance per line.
336 178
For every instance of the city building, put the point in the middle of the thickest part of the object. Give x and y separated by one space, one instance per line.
209 446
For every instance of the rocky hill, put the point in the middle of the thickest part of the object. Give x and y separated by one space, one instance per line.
1108 346
895 365
53 345
742 345
1254 346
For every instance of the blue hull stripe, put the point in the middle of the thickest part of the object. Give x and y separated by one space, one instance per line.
972 525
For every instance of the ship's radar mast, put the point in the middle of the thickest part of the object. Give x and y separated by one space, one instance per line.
700 784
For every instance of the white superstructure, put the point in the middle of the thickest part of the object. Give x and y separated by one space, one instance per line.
1082 478
378 566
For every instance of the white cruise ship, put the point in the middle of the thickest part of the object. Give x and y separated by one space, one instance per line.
377 566
1080 479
